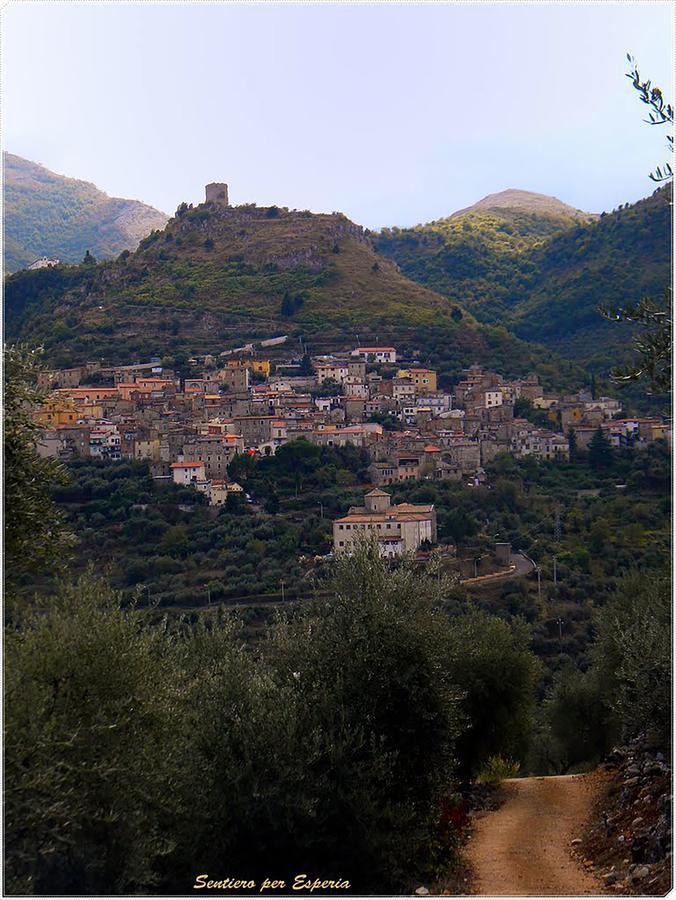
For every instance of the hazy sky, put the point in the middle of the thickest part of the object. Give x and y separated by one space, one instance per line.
392 113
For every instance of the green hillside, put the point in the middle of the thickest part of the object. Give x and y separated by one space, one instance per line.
481 256
542 269
49 215
218 276
616 260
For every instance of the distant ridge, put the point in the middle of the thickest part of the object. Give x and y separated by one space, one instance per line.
51 215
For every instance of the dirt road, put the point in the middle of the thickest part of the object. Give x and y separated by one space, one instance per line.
523 848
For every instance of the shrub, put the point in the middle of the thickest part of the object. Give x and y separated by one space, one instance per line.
496 769
633 654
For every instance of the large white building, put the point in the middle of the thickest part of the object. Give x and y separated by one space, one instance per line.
398 529
376 354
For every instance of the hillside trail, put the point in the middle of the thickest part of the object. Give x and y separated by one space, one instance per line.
524 847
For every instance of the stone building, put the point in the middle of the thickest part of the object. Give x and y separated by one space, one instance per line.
398 529
217 192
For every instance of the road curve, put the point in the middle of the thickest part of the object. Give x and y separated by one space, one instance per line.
523 848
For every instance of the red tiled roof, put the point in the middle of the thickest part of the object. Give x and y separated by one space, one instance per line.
376 349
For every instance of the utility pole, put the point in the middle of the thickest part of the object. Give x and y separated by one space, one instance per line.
559 622
321 510
208 595
539 574
282 584
555 579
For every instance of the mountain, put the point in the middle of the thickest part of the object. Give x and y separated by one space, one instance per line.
218 276
480 256
542 268
51 215
512 201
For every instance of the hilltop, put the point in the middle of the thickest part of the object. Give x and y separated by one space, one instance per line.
541 267
216 271
50 215
513 200
217 276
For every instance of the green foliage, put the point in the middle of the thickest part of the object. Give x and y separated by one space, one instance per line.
497 769
652 343
49 215
36 538
541 276
633 654
90 746
139 754
523 408
492 664
600 451
661 113
373 673
581 723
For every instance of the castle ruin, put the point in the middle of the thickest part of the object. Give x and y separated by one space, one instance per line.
217 193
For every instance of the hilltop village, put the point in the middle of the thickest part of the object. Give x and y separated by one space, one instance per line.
190 429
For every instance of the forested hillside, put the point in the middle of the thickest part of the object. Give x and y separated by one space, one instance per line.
543 274
49 215
217 275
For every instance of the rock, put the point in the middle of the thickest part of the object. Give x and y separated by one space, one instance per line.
630 782
620 839
421 892
637 821
576 842
641 872
610 878
632 770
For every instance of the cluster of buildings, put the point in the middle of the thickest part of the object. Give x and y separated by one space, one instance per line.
190 428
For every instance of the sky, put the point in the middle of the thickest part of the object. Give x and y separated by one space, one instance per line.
392 113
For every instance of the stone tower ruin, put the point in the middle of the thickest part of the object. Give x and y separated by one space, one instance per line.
217 193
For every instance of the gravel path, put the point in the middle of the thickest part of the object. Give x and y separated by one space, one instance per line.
523 848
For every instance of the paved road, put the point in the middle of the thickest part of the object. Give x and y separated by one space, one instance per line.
523 848
522 566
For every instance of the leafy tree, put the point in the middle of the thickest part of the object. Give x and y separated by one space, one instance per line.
600 451
633 654
306 367
493 666
572 443
579 719
661 113
88 260
90 746
653 344
35 536
372 677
